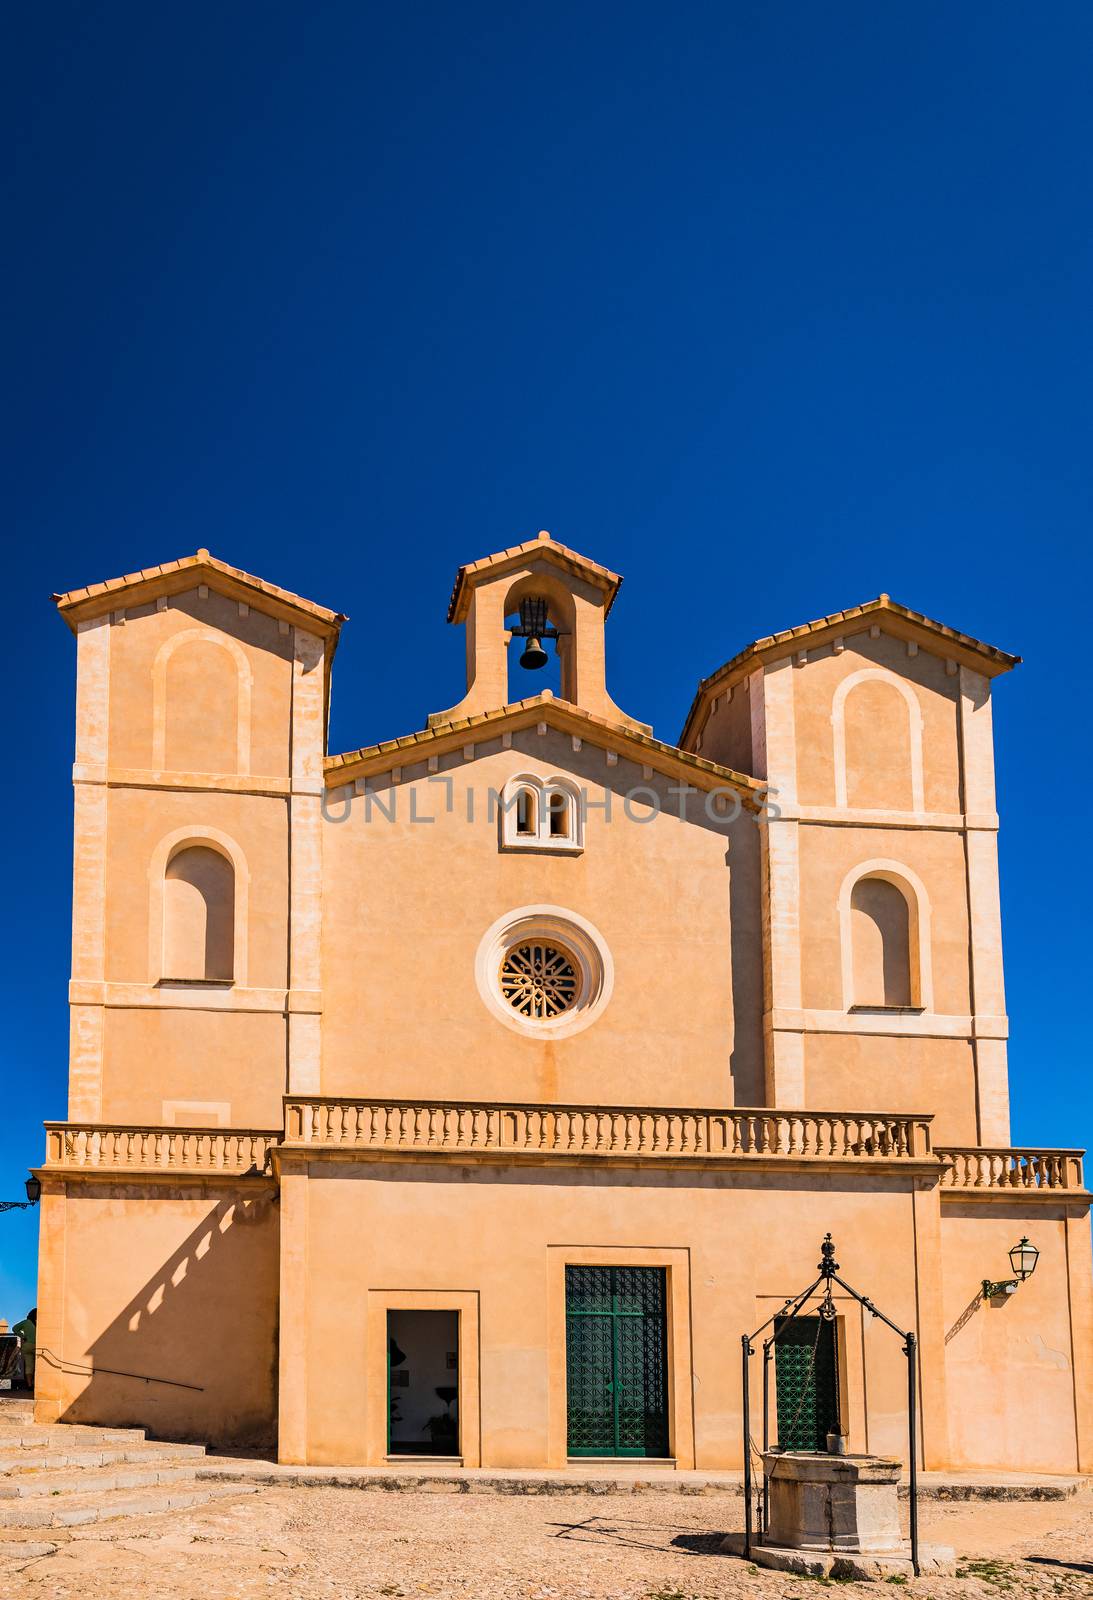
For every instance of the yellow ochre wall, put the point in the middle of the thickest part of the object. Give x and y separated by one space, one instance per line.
355 945
175 1284
676 902
186 715
880 758
491 1242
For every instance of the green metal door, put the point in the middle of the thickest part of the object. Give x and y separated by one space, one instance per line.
616 1361
806 1382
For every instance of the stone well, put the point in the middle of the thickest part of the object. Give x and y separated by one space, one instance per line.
835 1516
822 1502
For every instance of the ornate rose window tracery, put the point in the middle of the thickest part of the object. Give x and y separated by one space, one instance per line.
540 981
544 971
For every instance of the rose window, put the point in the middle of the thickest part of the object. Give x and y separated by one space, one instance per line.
540 981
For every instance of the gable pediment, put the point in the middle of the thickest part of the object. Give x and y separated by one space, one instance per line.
479 734
191 572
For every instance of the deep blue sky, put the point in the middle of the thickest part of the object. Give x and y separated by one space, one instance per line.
770 307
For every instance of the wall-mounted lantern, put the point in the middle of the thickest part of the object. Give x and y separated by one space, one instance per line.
1023 1259
34 1194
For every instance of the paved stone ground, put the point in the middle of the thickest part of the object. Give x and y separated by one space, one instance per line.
342 1544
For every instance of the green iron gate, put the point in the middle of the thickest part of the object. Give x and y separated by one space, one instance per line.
616 1361
806 1382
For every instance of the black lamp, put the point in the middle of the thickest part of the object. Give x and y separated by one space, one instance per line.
34 1194
1023 1259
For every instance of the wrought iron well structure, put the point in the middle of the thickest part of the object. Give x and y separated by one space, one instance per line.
828 1269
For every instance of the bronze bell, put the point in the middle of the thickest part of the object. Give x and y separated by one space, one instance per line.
534 656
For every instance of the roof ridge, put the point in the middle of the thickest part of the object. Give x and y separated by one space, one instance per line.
85 597
882 603
555 710
544 543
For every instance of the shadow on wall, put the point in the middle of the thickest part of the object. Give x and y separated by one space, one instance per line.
969 1311
193 1356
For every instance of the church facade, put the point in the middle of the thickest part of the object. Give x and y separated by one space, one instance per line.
467 1096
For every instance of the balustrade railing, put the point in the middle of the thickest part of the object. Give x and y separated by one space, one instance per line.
99 1148
408 1126
614 1131
973 1169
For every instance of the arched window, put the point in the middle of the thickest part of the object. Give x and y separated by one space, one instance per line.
527 813
199 916
884 931
880 932
541 814
561 815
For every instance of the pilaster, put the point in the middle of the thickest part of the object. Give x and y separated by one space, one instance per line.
1080 1292
774 745
293 1353
988 1001
930 1307
49 1379
305 867
89 865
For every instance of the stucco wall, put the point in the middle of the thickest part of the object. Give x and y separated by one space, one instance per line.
184 733
1010 1362
878 749
135 646
177 1284
499 1237
407 904
843 1071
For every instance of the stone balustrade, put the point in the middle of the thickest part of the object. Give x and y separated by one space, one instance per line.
98 1148
973 1169
645 1132
642 1133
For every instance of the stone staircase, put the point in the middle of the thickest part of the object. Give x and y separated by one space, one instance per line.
64 1475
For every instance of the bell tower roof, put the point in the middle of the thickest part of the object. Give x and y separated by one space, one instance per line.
561 597
541 548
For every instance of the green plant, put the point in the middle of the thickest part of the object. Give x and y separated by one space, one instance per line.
999 1573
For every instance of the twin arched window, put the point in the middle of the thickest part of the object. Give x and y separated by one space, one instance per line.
199 916
541 814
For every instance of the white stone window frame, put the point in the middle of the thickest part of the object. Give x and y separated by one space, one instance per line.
540 838
550 924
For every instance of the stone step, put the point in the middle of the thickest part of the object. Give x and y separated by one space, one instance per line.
101 1480
517 1481
32 1438
73 1510
61 1455
12 1409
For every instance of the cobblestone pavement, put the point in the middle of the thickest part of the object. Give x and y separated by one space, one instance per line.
342 1544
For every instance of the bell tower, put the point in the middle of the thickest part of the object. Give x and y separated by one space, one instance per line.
535 593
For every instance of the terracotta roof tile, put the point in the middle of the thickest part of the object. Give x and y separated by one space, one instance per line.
991 659
560 714
542 545
164 579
